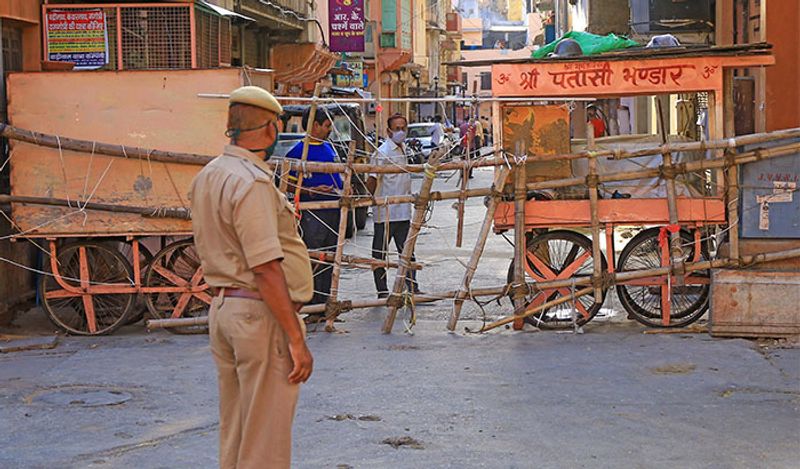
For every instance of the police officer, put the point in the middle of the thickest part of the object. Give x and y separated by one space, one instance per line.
252 255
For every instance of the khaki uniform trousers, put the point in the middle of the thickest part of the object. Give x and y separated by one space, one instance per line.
256 401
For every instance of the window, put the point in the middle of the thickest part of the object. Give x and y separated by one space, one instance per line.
12 48
11 45
486 80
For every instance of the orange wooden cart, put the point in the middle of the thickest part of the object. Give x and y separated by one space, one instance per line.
104 269
557 250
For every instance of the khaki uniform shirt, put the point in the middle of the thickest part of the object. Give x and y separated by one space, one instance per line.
240 220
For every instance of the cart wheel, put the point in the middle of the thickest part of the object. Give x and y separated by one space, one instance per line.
559 254
643 299
93 314
177 265
145 258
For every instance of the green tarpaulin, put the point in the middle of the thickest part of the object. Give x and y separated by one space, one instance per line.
590 43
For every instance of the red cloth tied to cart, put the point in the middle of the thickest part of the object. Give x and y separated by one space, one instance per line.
663 233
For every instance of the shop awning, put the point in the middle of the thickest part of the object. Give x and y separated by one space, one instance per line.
222 11
296 64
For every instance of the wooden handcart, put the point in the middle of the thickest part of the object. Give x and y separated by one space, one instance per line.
674 228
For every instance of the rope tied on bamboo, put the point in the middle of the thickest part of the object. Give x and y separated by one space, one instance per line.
671 171
603 281
592 180
421 203
519 291
334 308
400 300
430 170
170 212
730 159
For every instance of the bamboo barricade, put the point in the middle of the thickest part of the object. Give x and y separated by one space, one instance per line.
611 279
312 114
420 208
684 168
500 177
332 305
518 289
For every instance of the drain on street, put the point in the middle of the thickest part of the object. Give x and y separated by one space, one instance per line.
82 397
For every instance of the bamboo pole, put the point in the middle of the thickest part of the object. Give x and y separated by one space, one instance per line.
732 188
461 200
591 181
284 184
359 262
617 278
420 209
312 114
520 197
155 212
675 242
500 177
332 306
99 148
520 318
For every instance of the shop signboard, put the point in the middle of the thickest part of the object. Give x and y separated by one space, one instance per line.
346 25
79 36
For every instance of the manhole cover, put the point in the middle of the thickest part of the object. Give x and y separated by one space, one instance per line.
82 397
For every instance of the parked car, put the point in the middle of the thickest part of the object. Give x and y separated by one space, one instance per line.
419 140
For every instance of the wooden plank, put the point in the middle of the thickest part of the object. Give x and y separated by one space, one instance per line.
544 213
29 343
151 109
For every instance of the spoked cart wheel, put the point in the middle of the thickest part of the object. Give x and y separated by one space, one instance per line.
559 255
145 258
174 286
88 288
647 299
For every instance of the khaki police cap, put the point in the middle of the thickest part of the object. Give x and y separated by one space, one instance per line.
256 96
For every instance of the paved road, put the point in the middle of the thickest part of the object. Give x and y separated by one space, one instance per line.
612 397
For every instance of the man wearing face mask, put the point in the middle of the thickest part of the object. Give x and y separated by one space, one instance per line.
391 221
319 226
251 254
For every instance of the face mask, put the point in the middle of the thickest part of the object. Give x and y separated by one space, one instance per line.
268 151
271 149
399 136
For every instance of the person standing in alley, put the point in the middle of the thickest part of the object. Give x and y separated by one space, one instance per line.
479 137
255 261
391 221
319 227
437 134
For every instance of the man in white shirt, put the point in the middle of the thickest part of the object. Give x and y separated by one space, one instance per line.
391 221
437 135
